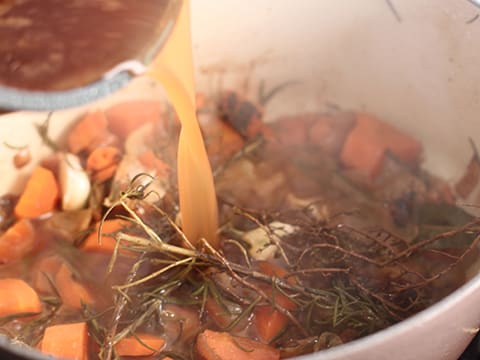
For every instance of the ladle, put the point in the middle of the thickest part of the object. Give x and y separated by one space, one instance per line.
59 54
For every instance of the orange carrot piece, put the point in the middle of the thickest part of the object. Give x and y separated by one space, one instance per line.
212 345
220 316
66 341
103 162
88 133
40 195
127 116
293 130
268 321
17 297
223 314
71 291
108 242
366 144
44 273
139 345
182 320
152 162
221 140
17 241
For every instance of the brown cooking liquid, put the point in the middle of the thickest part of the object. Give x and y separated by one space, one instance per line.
174 69
57 44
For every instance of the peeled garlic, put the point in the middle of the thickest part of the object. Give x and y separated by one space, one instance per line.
74 182
263 242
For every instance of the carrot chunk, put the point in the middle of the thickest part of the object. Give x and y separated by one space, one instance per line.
139 345
366 144
108 242
293 130
71 291
66 341
103 162
40 195
152 162
17 241
213 345
222 140
125 117
17 297
268 321
88 133
44 273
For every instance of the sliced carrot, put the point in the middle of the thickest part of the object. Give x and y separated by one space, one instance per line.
272 269
182 321
293 130
71 291
103 162
153 162
219 314
366 144
127 116
268 321
329 131
221 140
17 297
224 314
17 241
40 195
139 345
88 133
108 242
44 273
213 345
66 341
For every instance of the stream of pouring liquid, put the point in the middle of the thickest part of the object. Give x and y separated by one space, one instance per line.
173 68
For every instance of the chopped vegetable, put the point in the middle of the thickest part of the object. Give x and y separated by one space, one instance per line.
366 144
66 341
262 239
74 182
127 116
268 321
108 242
103 162
40 195
88 133
73 293
44 274
17 297
153 162
17 241
222 141
213 345
223 312
139 345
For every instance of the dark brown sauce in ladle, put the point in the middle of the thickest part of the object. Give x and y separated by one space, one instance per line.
58 44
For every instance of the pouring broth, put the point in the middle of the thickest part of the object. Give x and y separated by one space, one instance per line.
329 230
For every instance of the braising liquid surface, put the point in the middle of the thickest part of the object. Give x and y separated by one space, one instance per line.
174 70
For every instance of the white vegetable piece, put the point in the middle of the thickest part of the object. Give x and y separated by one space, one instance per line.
74 182
263 243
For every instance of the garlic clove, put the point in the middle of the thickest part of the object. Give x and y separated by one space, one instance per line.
74 182
262 239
